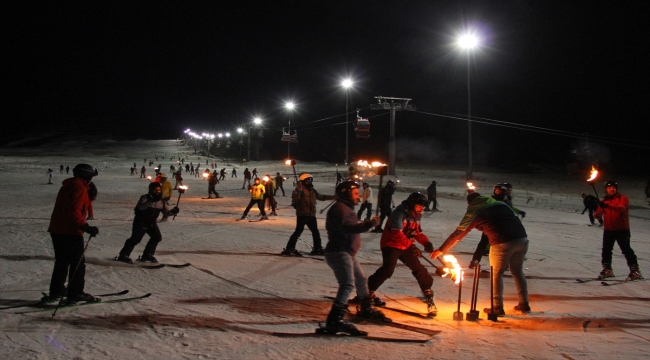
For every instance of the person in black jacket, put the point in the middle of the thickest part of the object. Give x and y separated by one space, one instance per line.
344 241
146 211
385 203
591 204
508 245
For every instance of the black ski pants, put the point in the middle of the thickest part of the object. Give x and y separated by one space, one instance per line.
260 205
68 252
389 262
279 186
211 190
384 213
301 221
622 237
137 233
365 206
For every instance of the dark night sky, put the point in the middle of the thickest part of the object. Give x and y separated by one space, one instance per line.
151 69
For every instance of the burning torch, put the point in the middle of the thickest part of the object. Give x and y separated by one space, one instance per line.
293 165
382 169
149 178
470 188
181 191
592 179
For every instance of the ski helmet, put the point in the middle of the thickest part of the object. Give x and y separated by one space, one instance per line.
84 171
611 183
154 185
305 177
344 189
506 185
416 198
500 187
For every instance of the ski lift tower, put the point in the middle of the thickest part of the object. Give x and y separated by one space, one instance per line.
393 104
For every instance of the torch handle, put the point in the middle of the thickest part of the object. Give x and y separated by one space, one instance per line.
178 201
593 187
460 289
294 173
381 180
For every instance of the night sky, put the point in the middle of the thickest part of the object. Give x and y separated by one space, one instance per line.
152 69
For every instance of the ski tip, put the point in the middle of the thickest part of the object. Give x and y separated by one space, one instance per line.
146 295
123 292
604 283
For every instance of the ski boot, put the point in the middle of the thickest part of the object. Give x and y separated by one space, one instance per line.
274 214
291 252
497 310
336 325
606 273
124 259
431 306
376 301
523 307
264 217
147 258
366 311
83 297
635 274
319 251
51 299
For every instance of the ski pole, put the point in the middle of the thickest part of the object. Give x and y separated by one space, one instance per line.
330 204
439 271
65 293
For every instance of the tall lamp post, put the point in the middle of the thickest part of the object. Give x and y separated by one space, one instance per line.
289 105
240 131
468 42
347 84
256 121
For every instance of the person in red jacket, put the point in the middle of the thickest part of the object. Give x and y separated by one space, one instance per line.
67 226
398 243
615 209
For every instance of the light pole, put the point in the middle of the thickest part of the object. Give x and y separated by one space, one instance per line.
240 131
347 84
256 121
289 105
469 42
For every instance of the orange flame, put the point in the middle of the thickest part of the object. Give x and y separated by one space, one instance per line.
205 175
266 178
452 268
594 174
365 163
149 177
288 162
184 187
470 186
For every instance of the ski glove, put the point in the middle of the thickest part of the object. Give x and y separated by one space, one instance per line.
428 247
175 210
602 204
92 230
522 213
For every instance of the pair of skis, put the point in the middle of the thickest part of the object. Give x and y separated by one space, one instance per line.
40 306
608 281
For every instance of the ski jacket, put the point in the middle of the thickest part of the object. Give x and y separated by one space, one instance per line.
386 197
147 210
494 218
343 228
166 188
247 174
304 199
616 214
590 202
268 189
257 192
71 208
366 196
508 201
278 180
212 179
432 190
402 230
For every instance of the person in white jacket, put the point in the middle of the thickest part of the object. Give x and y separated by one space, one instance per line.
366 196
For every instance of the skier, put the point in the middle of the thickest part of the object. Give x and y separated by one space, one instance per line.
166 191
508 200
385 203
257 197
343 244
508 245
50 174
212 182
303 199
431 195
398 243
268 194
67 169
615 209
366 197
179 179
142 172
234 173
147 209
222 174
247 179
61 169
278 184
591 204
67 226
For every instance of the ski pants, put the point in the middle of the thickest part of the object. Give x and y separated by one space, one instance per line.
384 213
365 206
137 233
271 202
510 254
211 190
260 205
389 257
349 275
622 237
301 221
246 180
68 252
432 199
279 186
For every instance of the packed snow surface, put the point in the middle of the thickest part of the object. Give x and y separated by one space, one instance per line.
237 291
